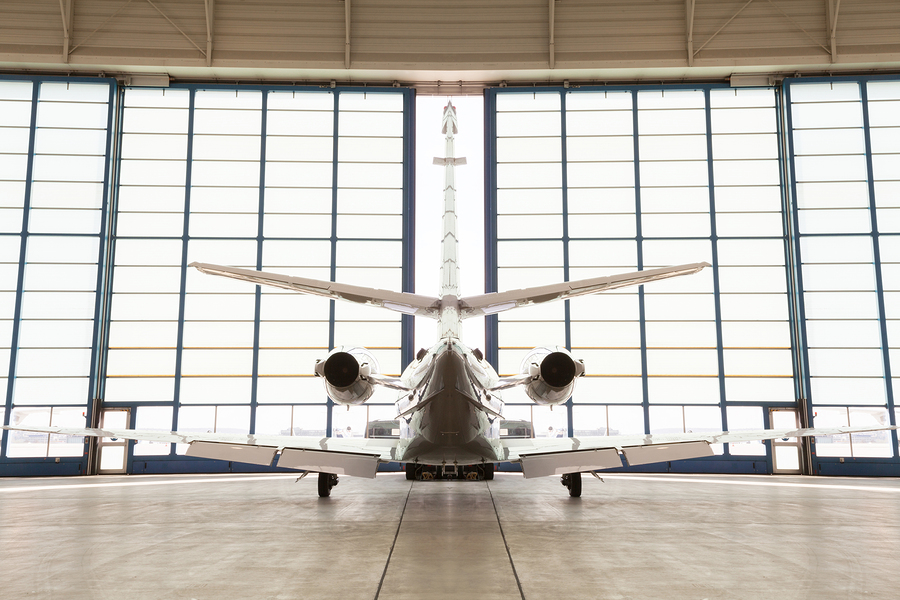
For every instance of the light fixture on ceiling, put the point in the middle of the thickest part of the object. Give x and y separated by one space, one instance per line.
159 80
752 80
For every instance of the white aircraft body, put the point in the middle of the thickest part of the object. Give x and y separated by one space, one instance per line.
449 411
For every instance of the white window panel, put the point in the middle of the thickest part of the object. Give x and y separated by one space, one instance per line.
825 277
366 149
668 200
12 195
589 421
218 334
281 334
841 305
529 175
301 100
298 174
751 252
58 305
138 361
825 92
227 121
610 362
549 311
281 253
55 389
616 254
548 423
758 361
380 334
152 172
281 307
884 139
289 361
223 390
597 174
71 362
845 362
63 221
13 166
15 114
216 362
307 389
529 254
744 120
829 389
529 102
672 307
743 145
830 168
163 199
835 221
583 148
59 334
67 114
64 445
10 220
752 279
154 146
157 418
219 307
370 201
890 249
666 419
608 334
297 225
51 277
675 225
369 226
829 141
26 444
150 307
300 123
308 148
226 147
151 334
224 173
370 124
667 173
533 333
156 97
603 226
606 100
759 389
682 361
886 166
223 225
872 444
619 307
609 389
514 278
529 124
826 115
665 253
742 418
679 121
350 311
70 141
677 390
368 254
883 113
155 120
843 334
626 420
536 226
671 147
680 334
140 389
888 220
833 195
591 200
274 420
749 307
524 149
227 252
609 122
62 249
744 334
148 224
746 172
387 278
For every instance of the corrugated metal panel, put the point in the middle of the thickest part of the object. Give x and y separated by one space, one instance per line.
418 35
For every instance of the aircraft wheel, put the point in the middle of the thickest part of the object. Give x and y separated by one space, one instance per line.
410 471
573 482
326 482
488 471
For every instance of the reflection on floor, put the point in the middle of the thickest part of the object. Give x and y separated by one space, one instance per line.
635 536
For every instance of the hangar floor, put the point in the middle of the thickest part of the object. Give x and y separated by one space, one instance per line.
263 536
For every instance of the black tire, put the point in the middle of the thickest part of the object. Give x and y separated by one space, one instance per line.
488 472
575 485
410 472
324 485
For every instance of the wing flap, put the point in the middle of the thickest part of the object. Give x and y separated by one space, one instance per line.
558 463
404 302
488 304
339 463
255 455
645 455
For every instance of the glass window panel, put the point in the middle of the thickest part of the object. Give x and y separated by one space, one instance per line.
66 114
609 389
54 389
743 145
606 100
662 173
826 115
824 277
531 175
694 334
759 389
530 124
307 389
36 334
841 305
744 334
626 420
828 389
829 141
157 418
301 148
884 139
154 120
227 121
299 123
581 200
377 150
584 225
232 390
22 444
744 418
678 147
746 172
58 305
671 121
530 226
296 174
589 421
830 168
369 124
63 221
15 114
369 201
597 174
833 195
666 419
835 221
675 225
608 122
752 279
845 249
528 102
605 334
49 277
371 226
764 307
855 362
605 148
677 390
152 334
147 224
66 445
740 120
137 361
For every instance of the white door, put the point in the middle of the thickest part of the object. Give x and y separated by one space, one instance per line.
113 451
785 451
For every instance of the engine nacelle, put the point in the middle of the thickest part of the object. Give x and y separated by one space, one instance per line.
346 372
554 372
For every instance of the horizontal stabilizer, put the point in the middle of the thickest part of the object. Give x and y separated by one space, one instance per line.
443 162
404 302
488 304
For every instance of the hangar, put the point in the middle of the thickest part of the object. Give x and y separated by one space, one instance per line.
760 136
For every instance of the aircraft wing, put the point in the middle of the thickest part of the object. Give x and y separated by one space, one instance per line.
488 304
342 456
404 302
555 456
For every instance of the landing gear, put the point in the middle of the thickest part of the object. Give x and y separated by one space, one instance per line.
573 482
411 471
326 482
487 471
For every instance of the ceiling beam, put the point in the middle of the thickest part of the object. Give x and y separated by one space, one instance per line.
689 30
552 21
172 23
831 14
346 34
210 29
66 9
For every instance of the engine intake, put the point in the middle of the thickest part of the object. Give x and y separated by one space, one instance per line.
346 372
554 371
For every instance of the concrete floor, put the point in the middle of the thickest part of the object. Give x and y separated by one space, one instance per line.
267 537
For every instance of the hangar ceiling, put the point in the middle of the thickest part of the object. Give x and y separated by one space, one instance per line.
474 41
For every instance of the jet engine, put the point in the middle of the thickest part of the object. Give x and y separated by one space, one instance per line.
346 373
553 372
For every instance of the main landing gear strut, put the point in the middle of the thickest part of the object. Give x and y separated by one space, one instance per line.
573 482
326 482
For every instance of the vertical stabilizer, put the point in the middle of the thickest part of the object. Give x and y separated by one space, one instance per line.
449 321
